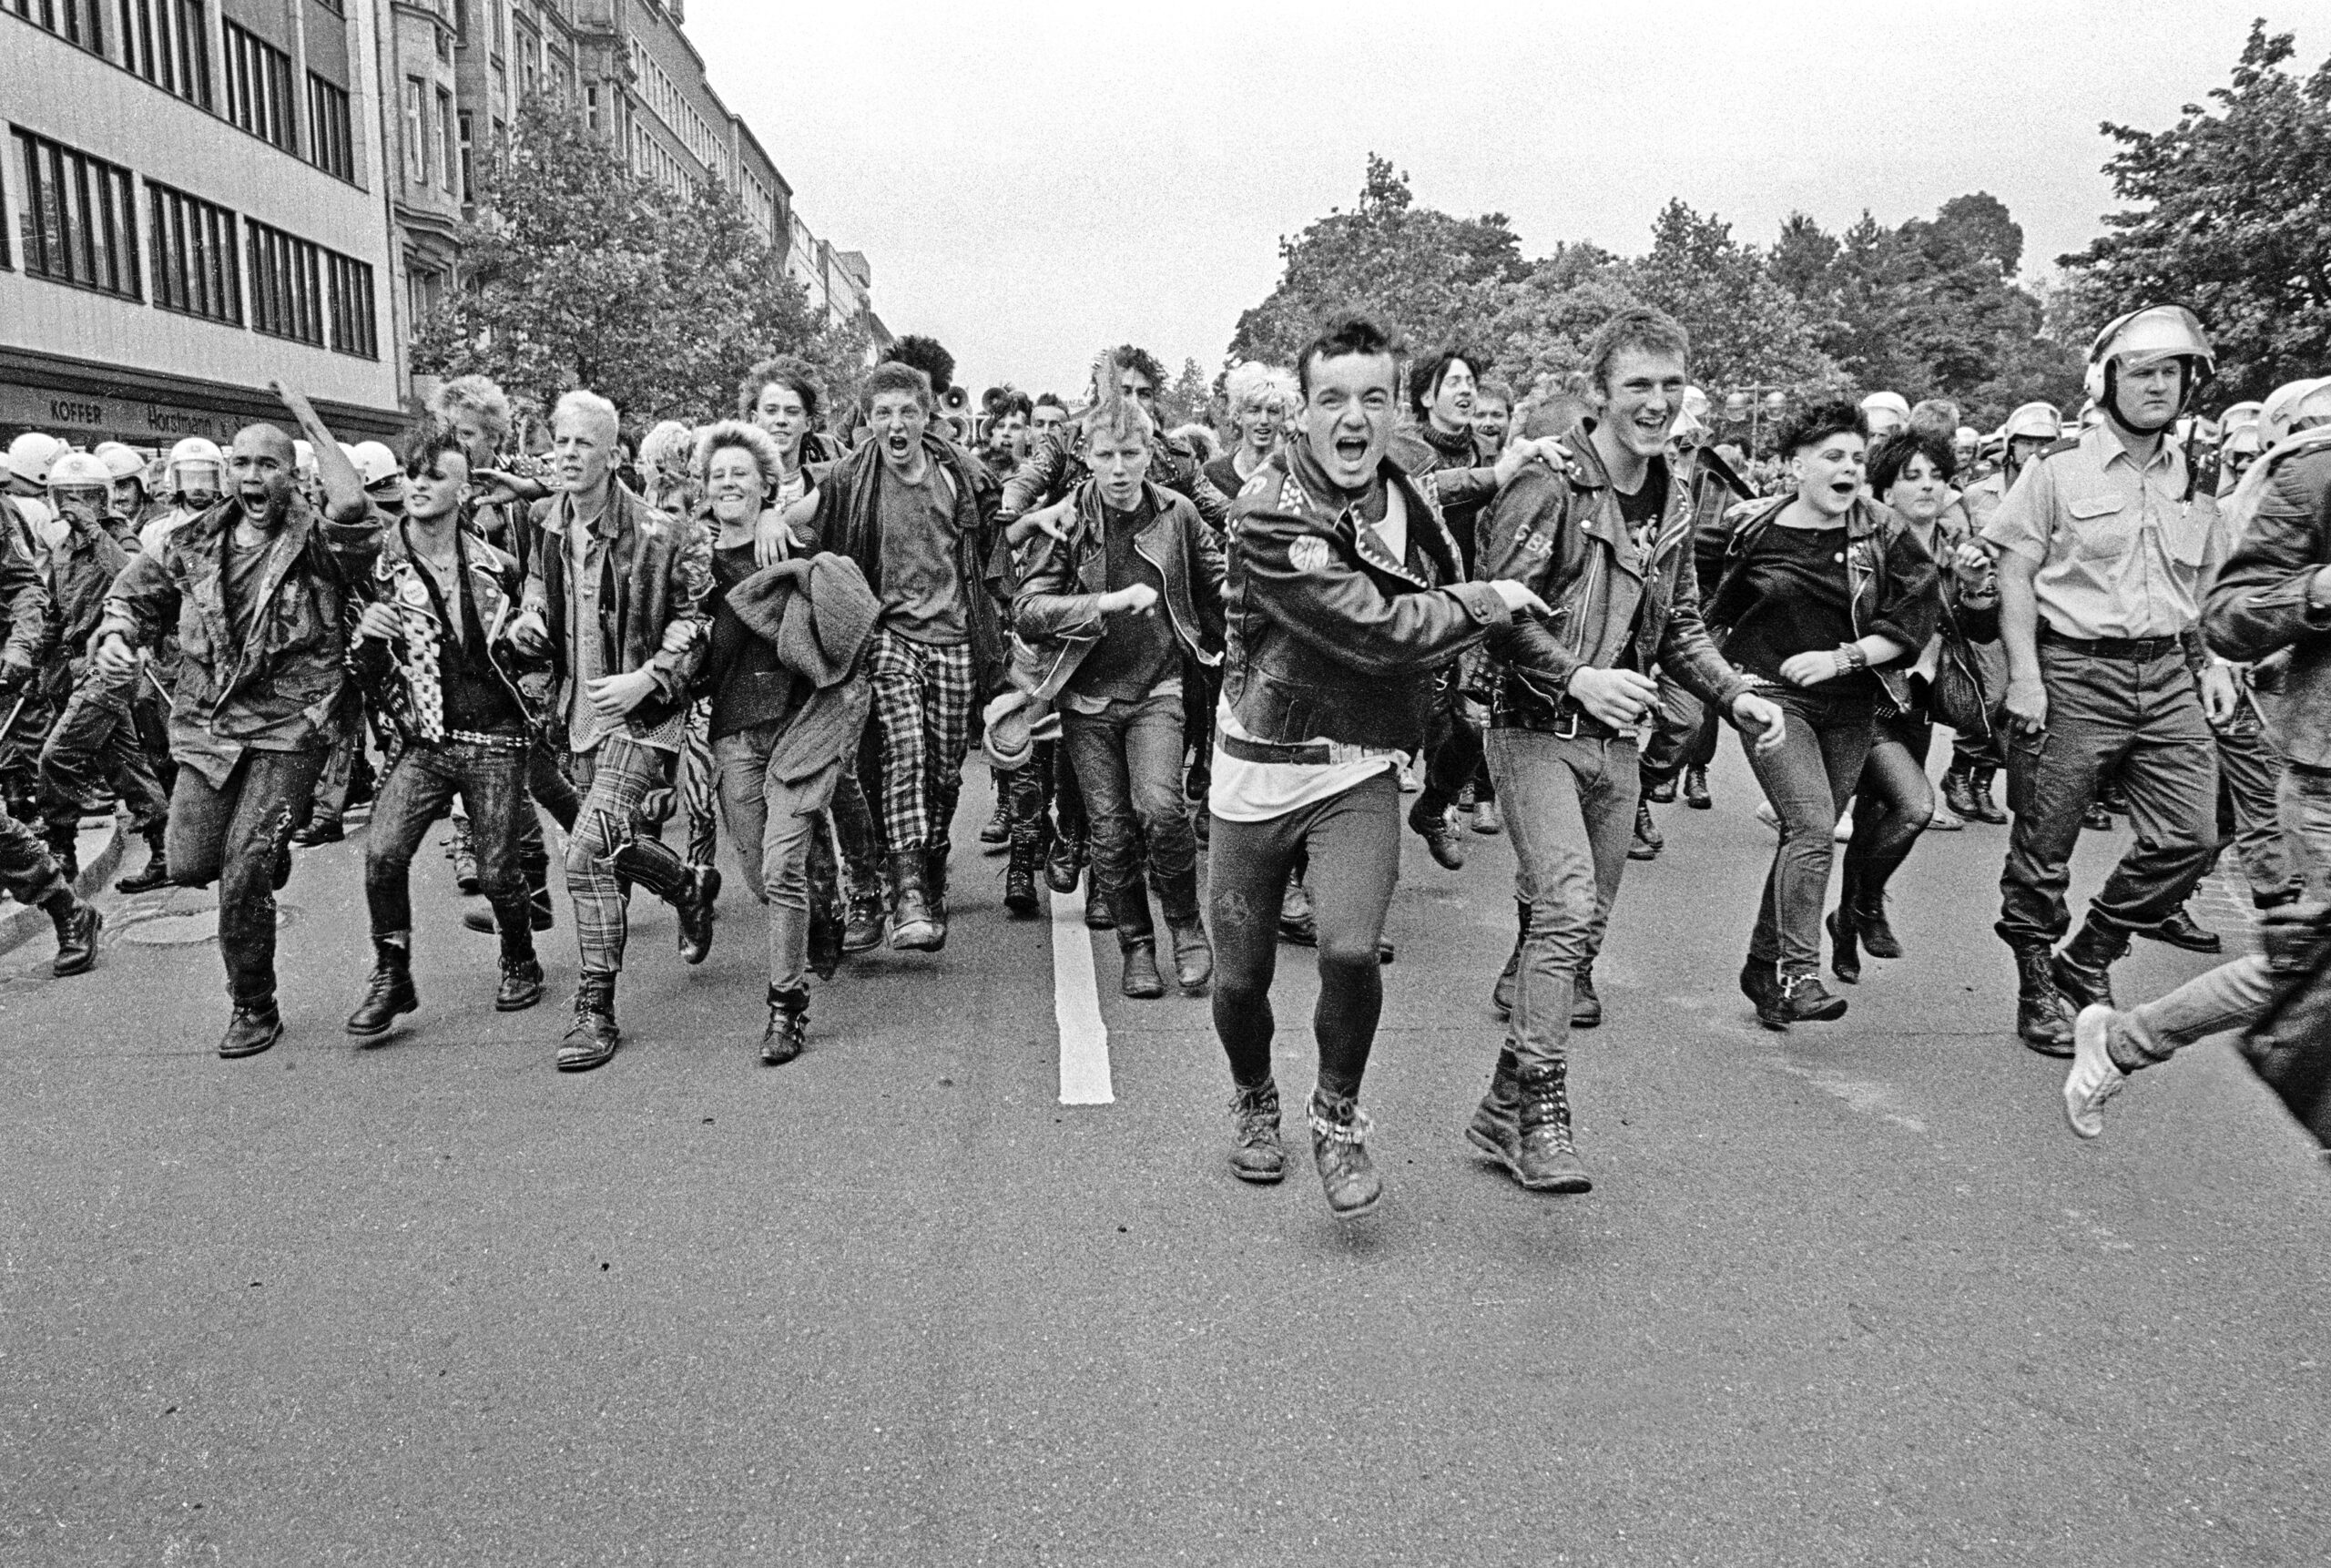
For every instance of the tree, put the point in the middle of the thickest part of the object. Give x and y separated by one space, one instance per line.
576 273
1745 327
1190 400
1424 274
2232 216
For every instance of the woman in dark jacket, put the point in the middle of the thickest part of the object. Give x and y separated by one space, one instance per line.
1826 596
1911 472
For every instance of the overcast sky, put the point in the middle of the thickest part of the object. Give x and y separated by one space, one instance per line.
1033 181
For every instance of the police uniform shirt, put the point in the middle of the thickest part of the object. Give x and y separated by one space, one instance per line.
2120 552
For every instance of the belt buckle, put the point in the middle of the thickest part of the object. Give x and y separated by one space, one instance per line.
1566 728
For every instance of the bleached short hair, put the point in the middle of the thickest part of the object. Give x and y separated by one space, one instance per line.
1252 383
585 405
665 448
749 438
479 397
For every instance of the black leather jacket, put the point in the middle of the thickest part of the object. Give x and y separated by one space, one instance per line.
1055 621
1329 638
1563 535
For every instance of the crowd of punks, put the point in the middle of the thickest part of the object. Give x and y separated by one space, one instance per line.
1385 577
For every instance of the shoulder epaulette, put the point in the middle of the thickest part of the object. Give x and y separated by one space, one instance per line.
2066 444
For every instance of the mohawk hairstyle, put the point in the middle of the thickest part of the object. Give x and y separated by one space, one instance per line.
925 355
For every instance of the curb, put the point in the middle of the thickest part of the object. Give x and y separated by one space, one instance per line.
22 923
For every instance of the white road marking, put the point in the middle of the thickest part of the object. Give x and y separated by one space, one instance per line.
1076 1005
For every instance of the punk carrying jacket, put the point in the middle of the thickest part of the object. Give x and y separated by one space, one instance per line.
1055 621
654 588
1562 535
1327 636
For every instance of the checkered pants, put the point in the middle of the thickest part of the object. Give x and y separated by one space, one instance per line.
923 710
613 775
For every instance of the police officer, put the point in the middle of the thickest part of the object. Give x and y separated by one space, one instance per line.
2105 543
1976 759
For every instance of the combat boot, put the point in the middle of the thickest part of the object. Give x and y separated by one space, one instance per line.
1978 790
1141 980
789 1025
1958 793
521 986
390 992
2083 971
1544 1157
2043 1019
1255 1153
252 1031
64 848
1494 1129
594 1038
913 929
156 871
1340 1150
1020 876
77 924
1193 955
1586 1005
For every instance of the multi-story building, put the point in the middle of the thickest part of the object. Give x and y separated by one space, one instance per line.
190 206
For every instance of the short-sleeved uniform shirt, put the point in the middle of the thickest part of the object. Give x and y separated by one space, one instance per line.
2121 552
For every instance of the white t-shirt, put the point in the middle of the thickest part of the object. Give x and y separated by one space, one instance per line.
1245 791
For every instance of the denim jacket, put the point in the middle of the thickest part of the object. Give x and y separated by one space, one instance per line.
654 588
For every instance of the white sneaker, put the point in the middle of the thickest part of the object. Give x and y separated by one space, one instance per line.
1844 833
2093 1078
1768 816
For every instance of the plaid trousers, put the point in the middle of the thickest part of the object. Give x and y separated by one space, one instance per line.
923 694
613 775
700 777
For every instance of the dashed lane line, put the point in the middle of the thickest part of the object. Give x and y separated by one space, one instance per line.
1076 1005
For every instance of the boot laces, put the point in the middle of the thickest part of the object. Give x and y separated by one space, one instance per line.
1353 1133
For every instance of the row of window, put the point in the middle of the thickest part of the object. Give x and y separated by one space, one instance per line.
77 224
168 42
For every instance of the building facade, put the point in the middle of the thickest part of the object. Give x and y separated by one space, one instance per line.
190 206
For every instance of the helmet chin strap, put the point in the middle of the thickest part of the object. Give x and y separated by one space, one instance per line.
2113 402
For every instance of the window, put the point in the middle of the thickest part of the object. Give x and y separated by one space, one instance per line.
494 9
166 41
445 141
468 150
332 145
351 283
416 162
195 267
75 21
287 285
76 223
258 87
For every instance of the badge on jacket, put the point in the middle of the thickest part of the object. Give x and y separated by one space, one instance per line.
1307 554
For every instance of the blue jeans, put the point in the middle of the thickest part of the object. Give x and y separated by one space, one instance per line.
1569 810
775 824
1808 778
1128 760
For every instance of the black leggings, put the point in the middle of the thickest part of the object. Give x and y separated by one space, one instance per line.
1892 805
1354 844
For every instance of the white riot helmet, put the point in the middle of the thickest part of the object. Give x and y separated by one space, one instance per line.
121 460
2035 421
1695 404
374 462
194 453
2142 337
30 454
79 486
2290 403
1885 412
2240 414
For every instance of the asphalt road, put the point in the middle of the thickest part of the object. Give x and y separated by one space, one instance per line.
1848 1296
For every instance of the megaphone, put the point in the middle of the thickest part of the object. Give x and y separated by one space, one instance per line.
955 399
